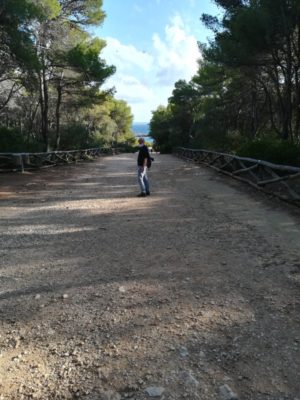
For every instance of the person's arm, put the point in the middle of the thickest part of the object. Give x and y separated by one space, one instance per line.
146 157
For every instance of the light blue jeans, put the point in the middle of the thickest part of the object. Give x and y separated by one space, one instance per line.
143 179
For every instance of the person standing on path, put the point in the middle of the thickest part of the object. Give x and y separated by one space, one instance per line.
142 160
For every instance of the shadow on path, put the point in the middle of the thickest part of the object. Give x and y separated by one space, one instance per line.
201 265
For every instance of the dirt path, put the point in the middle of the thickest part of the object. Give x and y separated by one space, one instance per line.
191 293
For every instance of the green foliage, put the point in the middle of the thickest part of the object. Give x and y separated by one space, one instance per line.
274 151
13 140
84 57
120 112
53 73
183 105
245 96
49 9
110 122
94 14
83 12
75 136
127 148
18 14
161 129
15 34
260 39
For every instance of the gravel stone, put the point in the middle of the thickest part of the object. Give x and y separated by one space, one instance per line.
227 393
189 380
183 351
154 391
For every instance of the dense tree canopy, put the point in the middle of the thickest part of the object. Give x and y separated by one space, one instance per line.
51 71
248 84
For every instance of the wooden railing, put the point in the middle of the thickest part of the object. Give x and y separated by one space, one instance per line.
27 161
279 180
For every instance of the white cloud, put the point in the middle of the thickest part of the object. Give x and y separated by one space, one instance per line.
177 54
146 80
131 89
126 56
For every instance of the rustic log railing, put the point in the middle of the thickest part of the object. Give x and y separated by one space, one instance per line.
279 180
29 161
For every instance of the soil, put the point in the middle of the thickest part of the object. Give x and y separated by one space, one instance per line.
190 293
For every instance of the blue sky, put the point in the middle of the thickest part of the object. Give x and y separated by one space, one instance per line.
152 43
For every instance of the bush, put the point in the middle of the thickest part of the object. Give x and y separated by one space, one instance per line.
126 148
212 140
164 148
13 141
74 137
274 151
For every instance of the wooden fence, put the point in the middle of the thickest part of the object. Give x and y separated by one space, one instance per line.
279 180
29 161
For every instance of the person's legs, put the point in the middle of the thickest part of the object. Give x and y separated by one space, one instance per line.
146 182
141 174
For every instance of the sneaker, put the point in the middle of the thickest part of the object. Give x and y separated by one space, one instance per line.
141 194
147 193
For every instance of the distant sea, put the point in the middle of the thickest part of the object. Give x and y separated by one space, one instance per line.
141 129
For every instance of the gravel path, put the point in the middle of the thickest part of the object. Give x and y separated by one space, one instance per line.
191 293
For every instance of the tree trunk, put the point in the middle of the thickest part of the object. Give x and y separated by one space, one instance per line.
276 79
44 103
297 82
31 121
57 111
297 104
270 106
288 130
253 124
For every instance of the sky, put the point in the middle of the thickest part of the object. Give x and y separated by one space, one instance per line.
153 44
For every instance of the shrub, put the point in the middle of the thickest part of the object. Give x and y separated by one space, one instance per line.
274 151
14 141
74 137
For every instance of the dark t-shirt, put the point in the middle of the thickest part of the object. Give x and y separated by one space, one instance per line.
143 153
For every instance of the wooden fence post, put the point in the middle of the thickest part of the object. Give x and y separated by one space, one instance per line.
18 161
